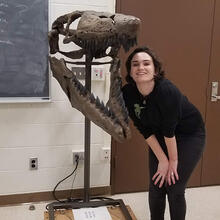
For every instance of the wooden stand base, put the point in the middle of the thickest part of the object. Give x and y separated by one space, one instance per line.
115 213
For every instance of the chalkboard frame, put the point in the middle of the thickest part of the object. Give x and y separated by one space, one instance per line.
38 87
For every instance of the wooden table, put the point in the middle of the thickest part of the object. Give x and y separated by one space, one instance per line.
115 213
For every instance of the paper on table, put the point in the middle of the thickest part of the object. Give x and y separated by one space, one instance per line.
99 213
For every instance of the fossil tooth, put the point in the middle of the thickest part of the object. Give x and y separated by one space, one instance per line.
106 111
109 41
98 103
92 98
81 89
84 92
102 107
96 43
79 86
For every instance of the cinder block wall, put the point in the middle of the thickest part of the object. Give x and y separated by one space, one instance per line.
50 131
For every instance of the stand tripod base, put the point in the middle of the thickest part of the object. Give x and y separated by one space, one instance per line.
75 205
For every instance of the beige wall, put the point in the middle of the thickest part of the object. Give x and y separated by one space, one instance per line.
50 131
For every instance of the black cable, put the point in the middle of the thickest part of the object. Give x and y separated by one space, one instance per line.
54 195
71 191
76 199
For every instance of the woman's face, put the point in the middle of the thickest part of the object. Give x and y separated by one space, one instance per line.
142 68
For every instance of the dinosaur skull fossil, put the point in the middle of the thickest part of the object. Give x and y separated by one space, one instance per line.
96 31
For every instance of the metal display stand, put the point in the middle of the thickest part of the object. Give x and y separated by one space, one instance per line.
86 201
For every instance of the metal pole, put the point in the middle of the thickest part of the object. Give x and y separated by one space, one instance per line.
87 202
87 133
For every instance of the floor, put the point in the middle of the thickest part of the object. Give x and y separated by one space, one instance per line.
202 204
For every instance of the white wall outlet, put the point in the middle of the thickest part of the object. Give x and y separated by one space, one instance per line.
105 154
33 163
98 74
78 154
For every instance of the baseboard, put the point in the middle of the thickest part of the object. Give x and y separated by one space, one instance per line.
47 196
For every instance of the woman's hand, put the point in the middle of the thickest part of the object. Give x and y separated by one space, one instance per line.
161 173
172 174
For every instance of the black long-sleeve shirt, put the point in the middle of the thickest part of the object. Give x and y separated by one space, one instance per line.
164 111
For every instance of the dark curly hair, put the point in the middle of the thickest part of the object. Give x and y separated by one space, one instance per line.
157 64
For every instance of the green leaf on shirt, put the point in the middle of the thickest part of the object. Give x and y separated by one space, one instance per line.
137 110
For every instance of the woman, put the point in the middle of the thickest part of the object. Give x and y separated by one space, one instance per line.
172 127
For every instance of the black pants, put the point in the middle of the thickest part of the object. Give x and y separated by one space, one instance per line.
190 149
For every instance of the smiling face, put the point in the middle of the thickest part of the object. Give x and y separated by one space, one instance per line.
142 68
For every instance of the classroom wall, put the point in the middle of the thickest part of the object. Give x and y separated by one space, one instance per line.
50 131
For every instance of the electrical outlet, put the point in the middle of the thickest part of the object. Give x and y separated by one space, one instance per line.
79 153
98 74
33 163
105 154
79 72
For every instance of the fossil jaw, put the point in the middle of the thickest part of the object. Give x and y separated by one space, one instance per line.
113 120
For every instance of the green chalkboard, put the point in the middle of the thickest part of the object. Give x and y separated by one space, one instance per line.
24 49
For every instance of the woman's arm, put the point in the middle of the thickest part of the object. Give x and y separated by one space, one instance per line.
173 159
163 163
